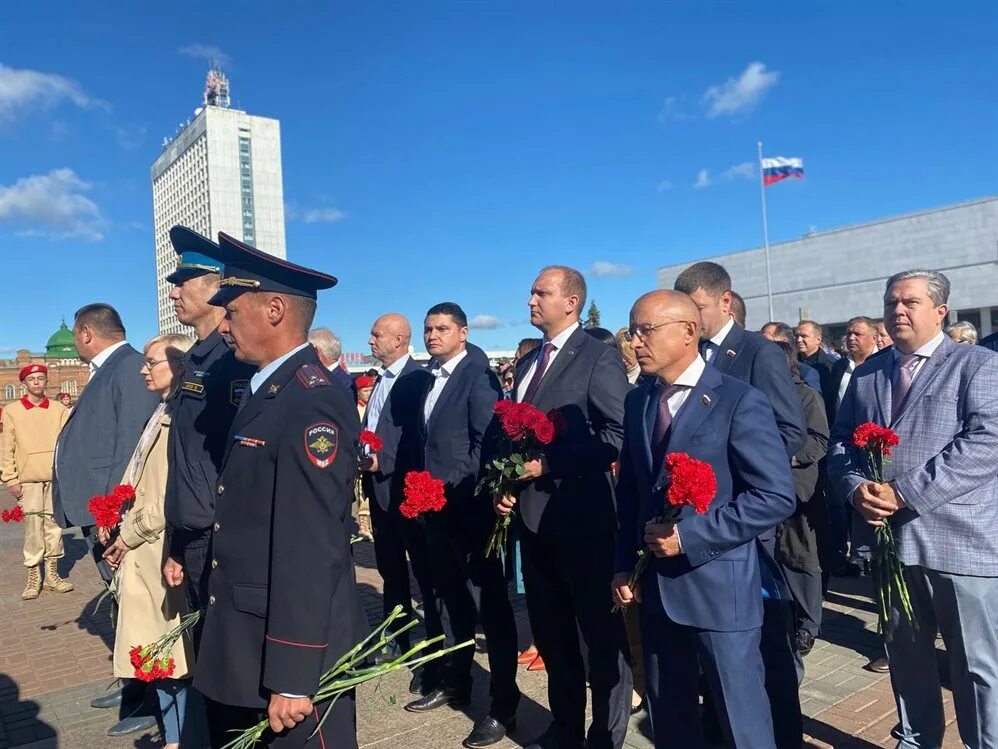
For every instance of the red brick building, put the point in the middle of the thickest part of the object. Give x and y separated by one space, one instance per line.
67 374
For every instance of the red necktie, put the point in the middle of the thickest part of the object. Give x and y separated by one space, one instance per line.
535 381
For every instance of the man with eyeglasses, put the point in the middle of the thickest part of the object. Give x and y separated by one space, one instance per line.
566 521
697 606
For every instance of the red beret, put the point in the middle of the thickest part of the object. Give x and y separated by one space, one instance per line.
33 369
364 382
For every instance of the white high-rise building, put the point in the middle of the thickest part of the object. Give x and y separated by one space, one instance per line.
221 172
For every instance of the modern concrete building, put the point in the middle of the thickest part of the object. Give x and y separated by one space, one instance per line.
830 276
222 172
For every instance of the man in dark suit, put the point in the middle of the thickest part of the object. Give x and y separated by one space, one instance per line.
749 357
742 354
93 450
780 331
567 519
698 602
456 411
327 345
393 414
809 336
283 604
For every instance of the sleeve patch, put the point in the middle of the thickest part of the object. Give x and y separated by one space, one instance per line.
311 376
322 443
236 390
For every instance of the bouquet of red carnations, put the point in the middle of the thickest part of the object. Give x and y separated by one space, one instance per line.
525 432
876 443
422 494
107 509
692 483
155 661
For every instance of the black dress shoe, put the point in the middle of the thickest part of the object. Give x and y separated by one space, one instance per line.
488 731
803 641
111 699
878 666
416 684
437 698
388 654
132 725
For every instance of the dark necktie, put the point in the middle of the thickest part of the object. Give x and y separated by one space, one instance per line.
664 420
535 381
708 350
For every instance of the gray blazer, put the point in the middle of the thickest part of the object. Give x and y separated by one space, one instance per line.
96 444
944 467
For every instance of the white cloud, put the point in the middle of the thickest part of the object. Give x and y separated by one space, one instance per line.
52 205
745 170
29 90
207 52
737 95
484 322
130 137
664 185
603 269
672 111
702 180
322 216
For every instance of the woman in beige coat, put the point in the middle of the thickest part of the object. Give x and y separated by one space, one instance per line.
147 608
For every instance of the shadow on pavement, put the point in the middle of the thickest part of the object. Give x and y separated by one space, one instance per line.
19 723
834 737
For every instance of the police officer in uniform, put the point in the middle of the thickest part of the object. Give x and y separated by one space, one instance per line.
202 410
283 604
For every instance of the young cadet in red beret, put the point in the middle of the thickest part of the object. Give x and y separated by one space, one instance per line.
31 426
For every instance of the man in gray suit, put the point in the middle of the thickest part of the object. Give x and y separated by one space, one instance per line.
941 498
93 450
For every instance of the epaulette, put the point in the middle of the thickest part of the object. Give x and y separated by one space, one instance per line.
312 376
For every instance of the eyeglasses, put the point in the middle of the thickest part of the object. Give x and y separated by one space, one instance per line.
150 363
643 330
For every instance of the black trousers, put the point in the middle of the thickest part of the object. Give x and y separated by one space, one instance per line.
196 560
339 731
394 538
568 591
473 589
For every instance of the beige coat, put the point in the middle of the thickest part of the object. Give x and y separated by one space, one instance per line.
147 608
28 444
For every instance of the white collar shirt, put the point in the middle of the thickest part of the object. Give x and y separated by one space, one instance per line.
380 395
846 377
559 342
98 361
688 380
264 374
441 376
717 340
922 354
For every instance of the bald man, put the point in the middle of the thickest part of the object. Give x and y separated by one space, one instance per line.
393 414
699 605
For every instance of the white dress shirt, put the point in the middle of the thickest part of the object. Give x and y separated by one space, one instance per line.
441 376
559 342
263 375
382 389
846 376
688 379
717 340
104 355
923 354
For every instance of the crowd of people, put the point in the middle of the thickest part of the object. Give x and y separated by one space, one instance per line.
242 446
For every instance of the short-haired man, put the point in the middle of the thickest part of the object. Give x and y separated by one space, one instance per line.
780 331
940 496
283 604
809 336
211 387
93 450
737 310
566 518
327 345
30 428
456 410
696 609
393 413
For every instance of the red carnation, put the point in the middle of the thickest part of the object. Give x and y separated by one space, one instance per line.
372 441
123 493
691 482
13 515
106 510
423 493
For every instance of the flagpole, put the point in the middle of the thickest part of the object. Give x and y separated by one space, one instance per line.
765 234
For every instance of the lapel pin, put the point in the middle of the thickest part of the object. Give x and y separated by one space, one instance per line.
274 388
705 399
731 354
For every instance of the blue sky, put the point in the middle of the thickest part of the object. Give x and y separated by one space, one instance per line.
461 146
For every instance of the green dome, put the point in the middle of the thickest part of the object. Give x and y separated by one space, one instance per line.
60 345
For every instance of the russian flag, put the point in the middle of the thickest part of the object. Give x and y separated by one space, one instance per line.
780 168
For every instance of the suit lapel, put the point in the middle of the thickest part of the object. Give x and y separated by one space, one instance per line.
732 342
696 408
926 375
646 426
565 357
882 385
